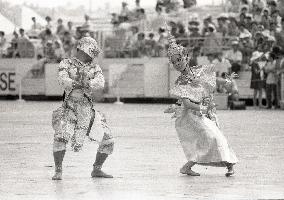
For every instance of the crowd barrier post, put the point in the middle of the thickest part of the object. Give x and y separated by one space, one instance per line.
117 91
20 90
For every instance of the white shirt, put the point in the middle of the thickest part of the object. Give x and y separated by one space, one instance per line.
221 66
236 56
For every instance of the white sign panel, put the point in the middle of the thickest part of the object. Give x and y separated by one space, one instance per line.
8 81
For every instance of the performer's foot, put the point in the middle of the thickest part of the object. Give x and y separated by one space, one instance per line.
57 176
188 172
230 172
98 173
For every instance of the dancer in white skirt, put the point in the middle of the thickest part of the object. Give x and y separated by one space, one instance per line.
196 121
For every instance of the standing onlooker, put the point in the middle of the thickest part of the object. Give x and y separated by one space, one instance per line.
70 28
246 47
86 24
140 45
68 43
14 45
279 66
124 14
233 29
279 36
162 43
3 44
222 25
211 42
48 23
270 69
23 35
256 80
222 65
235 57
150 45
60 28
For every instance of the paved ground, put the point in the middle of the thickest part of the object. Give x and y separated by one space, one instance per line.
147 157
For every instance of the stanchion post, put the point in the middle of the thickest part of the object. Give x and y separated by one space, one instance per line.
117 90
20 91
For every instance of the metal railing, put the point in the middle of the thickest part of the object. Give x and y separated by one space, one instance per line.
118 48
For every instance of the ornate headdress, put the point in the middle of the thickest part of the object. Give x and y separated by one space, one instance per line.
175 52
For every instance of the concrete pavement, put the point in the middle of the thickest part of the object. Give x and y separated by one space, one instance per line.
146 160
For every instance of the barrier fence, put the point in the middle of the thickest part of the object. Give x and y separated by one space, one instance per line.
125 78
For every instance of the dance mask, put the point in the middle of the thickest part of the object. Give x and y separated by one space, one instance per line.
89 46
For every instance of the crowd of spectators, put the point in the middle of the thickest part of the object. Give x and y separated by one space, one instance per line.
52 41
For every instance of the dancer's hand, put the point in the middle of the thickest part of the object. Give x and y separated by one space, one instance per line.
232 76
77 85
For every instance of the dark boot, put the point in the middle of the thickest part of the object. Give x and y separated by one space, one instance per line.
230 170
58 159
97 172
186 169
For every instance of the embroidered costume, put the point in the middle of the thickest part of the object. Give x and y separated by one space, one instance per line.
73 121
198 129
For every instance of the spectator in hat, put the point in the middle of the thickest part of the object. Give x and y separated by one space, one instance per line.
221 63
235 57
211 41
270 69
248 22
256 80
246 48
279 36
233 29
222 27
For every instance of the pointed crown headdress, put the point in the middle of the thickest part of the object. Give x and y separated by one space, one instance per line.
175 51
